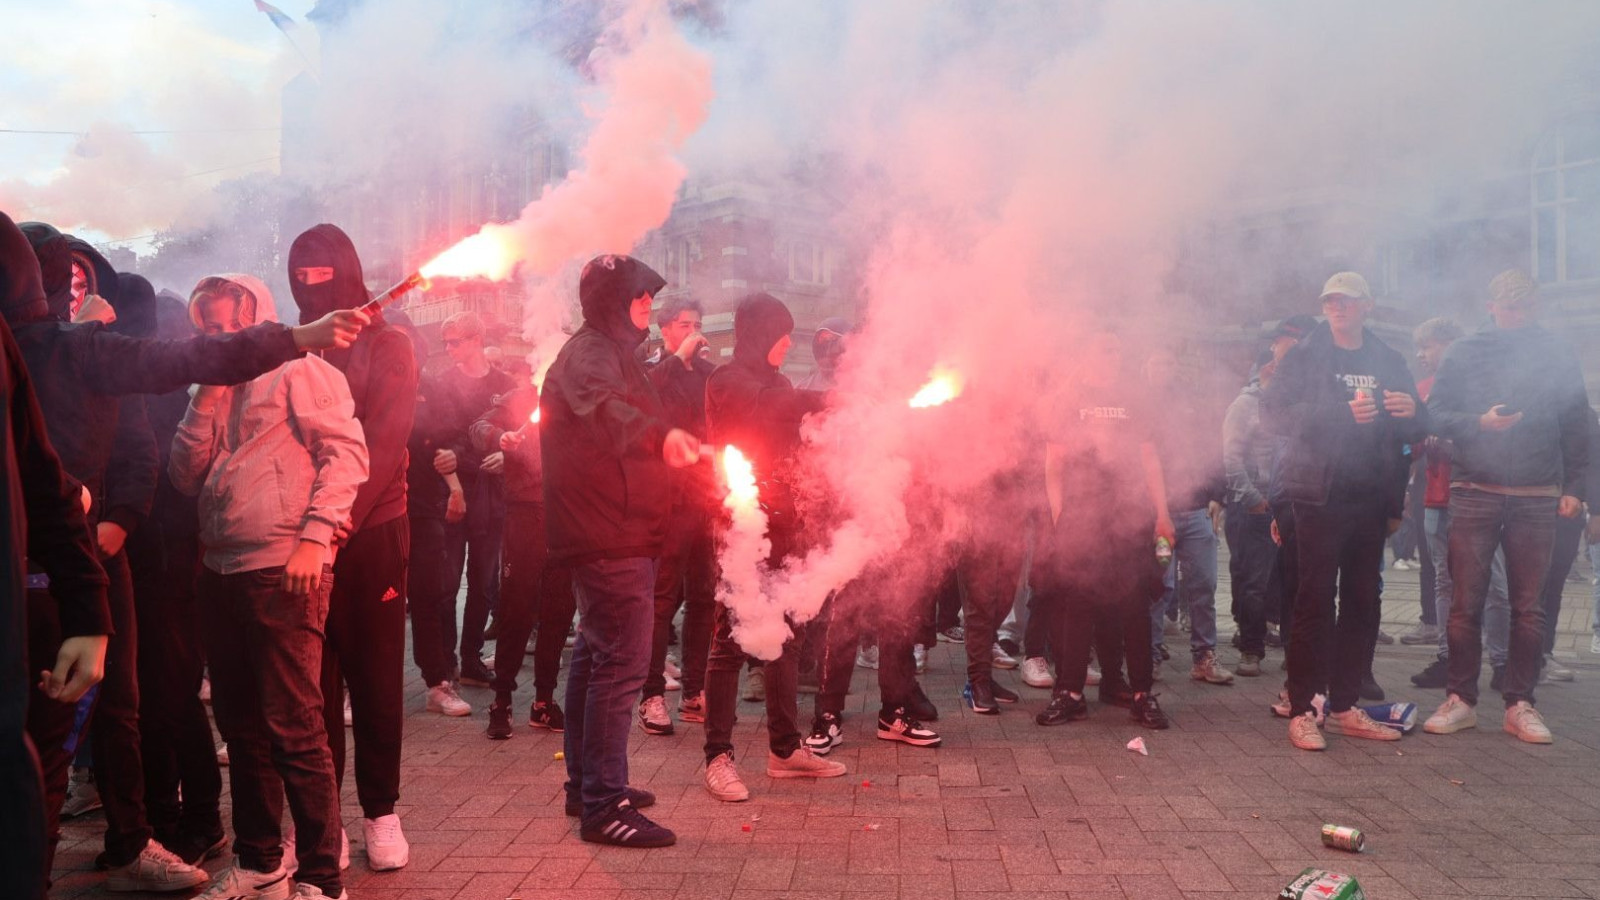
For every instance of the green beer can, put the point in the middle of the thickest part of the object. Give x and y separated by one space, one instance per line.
1320 884
1343 837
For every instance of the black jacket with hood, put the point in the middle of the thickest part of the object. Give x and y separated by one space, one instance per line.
513 411
380 366
1528 369
79 371
131 479
43 506
606 487
1311 410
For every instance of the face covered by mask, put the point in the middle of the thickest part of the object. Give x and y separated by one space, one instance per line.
325 272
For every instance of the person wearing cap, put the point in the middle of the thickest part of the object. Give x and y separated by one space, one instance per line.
1346 405
1511 399
606 449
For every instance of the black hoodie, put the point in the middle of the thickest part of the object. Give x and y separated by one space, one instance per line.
380 366
131 477
42 505
754 407
79 371
606 488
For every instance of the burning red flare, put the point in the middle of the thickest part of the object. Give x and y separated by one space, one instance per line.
534 418
943 386
487 254
741 479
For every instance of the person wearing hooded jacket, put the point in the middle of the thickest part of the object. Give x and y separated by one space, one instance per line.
80 371
276 463
751 405
63 625
606 448
366 633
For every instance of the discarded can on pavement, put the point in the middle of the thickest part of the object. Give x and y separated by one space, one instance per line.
1343 837
1320 884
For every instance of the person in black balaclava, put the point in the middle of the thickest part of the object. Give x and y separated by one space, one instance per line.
753 406
63 626
605 446
79 372
366 630
183 784
827 348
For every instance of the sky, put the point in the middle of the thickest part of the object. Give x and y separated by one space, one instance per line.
225 53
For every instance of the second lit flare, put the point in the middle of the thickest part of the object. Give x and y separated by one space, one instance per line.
943 386
741 479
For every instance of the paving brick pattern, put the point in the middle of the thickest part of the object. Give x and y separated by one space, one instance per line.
1222 808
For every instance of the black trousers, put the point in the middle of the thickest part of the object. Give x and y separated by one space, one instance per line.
856 610
114 736
987 574
475 545
1251 559
1569 532
39 759
1101 584
366 651
431 596
182 781
686 575
722 692
1339 547
532 591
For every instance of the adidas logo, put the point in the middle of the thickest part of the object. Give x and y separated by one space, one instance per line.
390 594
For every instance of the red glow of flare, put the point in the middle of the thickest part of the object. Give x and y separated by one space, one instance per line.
943 386
741 479
487 254
534 418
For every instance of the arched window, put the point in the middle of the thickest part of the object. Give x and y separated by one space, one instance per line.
1566 202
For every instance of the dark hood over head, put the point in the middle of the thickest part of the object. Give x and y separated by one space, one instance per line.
102 277
326 246
21 286
172 317
135 306
55 267
827 342
607 288
758 322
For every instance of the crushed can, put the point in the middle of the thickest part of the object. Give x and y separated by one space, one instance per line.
1343 837
1402 717
1320 884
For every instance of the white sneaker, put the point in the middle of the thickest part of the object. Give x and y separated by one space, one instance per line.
1304 733
653 717
1036 673
238 883
1453 715
1000 659
156 870
1357 724
672 682
387 848
919 654
723 781
307 892
672 668
1555 671
802 763
442 698
344 849
867 657
1525 722
1091 676
349 717
83 796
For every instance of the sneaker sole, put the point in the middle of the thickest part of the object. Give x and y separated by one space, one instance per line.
691 717
475 682
787 773
1042 685
1530 739
498 735
729 798
391 866
445 712
1383 734
655 729
636 843
1451 728
1301 745
824 749
907 739
124 885
984 711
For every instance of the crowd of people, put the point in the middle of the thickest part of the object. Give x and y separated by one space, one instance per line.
205 501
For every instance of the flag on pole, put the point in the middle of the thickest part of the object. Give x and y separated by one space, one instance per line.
278 16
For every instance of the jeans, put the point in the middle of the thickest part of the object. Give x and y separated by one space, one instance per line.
431 596
987 573
264 648
118 762
687 577
478 550
1496 610
1594 560
1015 626
1192 581
1569 532
531 591
366 651
1251 558
1339 550
1525 527
616 598
722 692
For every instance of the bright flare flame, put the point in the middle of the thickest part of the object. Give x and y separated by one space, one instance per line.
944 385
741 478
487 254
534 418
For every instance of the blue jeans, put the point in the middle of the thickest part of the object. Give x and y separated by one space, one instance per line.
616 616
1481 522
1192 582
1251 559
1594 560
1496 609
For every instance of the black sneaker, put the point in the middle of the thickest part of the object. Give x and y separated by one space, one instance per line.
499 720
624 826
1011 647
1116 693
546 714
1003 694
1147 712
475 674
920 707
980 698
639 797
825 734
898 726
195 849
1436 675
1063 708
1274 637
1369 689
1497 680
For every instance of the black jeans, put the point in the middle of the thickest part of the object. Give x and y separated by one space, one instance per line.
1251 558
431 595
1525 527
722 692
264 649
477 549
114 736
686 576
1339 548
50 726
366 652
1563 553
1285 584
850 613
987 575
183 784
1102 595
531 591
